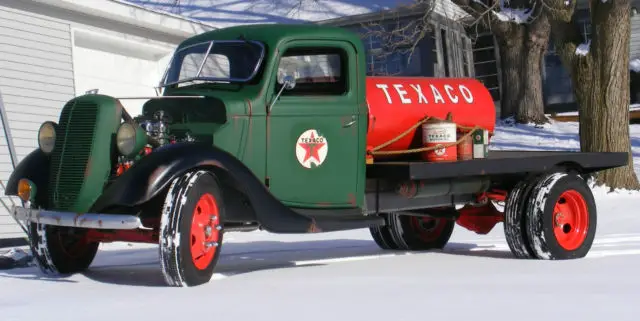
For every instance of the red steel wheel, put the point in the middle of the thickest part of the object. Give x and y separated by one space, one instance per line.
561 217
419 233
205 231
61 250
571 220
428 229
191 229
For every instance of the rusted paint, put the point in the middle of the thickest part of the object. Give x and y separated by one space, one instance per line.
249 147
352 199
250 107
118 109
87 169
313 228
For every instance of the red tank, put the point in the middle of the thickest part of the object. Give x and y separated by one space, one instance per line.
397 103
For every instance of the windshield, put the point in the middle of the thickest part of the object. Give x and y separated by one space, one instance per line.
215 61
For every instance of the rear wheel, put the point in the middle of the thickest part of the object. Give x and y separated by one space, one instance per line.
419 233
561 217
191 229
515 211
60 249
382 235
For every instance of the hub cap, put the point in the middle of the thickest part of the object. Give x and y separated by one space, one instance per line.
205 231
570 220
428 229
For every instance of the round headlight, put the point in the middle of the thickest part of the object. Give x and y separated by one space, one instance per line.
126 139
130 139
47 136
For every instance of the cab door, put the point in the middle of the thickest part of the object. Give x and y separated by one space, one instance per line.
313 140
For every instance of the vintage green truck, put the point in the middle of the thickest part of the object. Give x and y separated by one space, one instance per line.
277 127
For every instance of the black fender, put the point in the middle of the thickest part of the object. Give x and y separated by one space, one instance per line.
34 167
156 171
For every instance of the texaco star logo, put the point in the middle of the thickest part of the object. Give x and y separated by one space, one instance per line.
311 149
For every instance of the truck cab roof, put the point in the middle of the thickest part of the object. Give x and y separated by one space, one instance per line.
273 34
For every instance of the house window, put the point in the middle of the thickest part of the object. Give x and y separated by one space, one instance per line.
486 64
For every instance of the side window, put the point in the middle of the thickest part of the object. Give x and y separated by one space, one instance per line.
317 71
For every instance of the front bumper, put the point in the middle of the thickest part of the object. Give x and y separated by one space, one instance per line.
85 220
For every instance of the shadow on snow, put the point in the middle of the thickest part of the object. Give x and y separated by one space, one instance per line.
141 267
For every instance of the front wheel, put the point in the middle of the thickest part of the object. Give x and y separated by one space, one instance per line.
191 229
60 249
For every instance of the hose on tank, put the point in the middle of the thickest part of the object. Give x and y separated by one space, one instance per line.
376 151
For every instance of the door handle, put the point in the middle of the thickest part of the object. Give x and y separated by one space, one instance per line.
349 124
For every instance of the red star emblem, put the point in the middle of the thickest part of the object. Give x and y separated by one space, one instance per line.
311 149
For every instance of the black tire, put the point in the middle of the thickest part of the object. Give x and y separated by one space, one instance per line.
515 229
195 194
382 235
410 233
60 249
555 235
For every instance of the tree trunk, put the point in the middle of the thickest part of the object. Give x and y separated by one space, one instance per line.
605 100
601 83
521 47
536 41
530 108
511 65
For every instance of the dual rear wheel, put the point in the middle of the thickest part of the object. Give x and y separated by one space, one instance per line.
550 217
413 233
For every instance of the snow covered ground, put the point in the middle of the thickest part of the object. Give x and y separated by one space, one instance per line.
344 276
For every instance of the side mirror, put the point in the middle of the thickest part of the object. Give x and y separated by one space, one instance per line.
288 82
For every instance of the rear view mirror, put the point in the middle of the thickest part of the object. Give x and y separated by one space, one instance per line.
288 81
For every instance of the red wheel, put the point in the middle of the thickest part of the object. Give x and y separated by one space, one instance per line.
191 229
417 233
427 229
61 250
561 217
570 220
205 231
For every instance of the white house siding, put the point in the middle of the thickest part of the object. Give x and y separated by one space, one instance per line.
116 75
36 79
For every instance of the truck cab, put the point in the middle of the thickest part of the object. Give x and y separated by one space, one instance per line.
304 140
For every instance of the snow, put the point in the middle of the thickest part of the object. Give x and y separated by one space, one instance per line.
634 65
583 48
519 16
344 276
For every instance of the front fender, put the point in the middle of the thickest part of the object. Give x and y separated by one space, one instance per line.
34 167
154 172
147 177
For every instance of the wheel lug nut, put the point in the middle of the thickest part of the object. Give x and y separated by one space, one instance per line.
210 244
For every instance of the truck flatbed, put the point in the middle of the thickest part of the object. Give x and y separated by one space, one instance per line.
498 163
